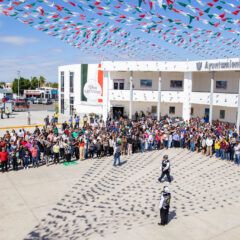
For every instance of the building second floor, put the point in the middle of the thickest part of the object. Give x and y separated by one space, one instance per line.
176 86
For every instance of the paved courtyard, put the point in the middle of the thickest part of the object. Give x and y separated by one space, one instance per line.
19 119
94 200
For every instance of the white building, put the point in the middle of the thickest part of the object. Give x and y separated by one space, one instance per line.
178 89
42 92
73 80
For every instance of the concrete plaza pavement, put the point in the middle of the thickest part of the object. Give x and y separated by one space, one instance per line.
18 119
94 200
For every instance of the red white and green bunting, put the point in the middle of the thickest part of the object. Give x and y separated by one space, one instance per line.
137 29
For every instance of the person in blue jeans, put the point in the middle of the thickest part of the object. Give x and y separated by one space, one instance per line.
117 150
142 144
25 157
192 144
237 153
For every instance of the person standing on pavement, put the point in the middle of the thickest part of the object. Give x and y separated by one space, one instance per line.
117 150
56 151
164 206
29 118
209 143
7 112
46 120
165 168
56 117
4 157
76 121
81 149
34 152
68 152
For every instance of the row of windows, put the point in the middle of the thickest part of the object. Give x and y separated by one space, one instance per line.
172 109
71 104
71 82
118 84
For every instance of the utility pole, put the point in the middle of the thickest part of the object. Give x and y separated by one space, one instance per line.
18 82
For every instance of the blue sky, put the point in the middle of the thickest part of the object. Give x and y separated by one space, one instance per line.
34 53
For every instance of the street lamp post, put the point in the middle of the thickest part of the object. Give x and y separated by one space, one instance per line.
18 82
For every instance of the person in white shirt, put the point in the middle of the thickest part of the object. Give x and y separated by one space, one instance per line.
164 206
21 133
29 118
209 143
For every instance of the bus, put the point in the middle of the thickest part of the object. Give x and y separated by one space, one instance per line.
20 106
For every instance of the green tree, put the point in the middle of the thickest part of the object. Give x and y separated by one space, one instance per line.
54 85
42 81
2 85
34 83
23 84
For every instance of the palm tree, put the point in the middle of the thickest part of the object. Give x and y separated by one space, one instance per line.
42 81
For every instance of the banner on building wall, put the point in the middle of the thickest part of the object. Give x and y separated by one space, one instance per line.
91 83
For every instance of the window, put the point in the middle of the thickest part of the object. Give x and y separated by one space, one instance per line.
115 85
222 114
71 105
145 83
62 103
62 81
171 110
221 84
71 81
176 84
118 84
121 85
154 109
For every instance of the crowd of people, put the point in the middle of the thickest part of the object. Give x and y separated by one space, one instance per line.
119 136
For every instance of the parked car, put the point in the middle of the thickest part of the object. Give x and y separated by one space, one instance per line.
32 99
38 101
49 101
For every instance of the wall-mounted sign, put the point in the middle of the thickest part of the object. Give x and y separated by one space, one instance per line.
218 65
92 91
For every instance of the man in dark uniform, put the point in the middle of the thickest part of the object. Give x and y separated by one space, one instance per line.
164 206
165 168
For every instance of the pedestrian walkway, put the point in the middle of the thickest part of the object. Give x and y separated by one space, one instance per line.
94 200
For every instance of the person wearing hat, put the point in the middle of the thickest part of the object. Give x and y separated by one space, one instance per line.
164 206
165 168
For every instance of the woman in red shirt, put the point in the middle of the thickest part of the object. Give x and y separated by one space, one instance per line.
4 159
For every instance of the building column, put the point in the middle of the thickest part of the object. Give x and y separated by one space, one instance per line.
187 91
159 96
238 115
106 103
211 99
131 95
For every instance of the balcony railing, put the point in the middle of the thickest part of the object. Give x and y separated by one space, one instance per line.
219 99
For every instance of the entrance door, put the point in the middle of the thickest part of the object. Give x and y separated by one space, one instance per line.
118 112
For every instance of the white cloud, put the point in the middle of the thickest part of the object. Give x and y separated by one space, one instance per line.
57 50
17 40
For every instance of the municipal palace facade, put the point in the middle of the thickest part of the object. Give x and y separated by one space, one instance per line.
177 89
